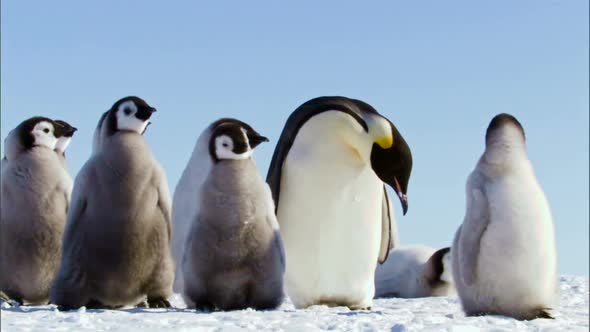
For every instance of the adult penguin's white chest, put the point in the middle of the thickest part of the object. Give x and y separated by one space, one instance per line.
330 217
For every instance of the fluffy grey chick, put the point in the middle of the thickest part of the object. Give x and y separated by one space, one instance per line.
415 271
35 196
504 255
234 256
117 241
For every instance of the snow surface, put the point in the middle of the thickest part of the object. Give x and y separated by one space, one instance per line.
395 315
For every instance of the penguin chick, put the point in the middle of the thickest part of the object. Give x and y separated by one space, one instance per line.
98 132
33 204
416 271
186 193
233 258
504 255
64 141
116 243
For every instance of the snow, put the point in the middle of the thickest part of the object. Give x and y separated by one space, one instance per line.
395 315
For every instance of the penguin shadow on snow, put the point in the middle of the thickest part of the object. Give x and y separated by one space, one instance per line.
360 313
22 308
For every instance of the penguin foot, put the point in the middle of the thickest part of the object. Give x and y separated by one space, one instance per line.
12 302
542 313
142 304
94 304
360 308
65 308
159 302
4 297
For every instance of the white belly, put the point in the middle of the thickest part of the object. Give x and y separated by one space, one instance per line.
330 219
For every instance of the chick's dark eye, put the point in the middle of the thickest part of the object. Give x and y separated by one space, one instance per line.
225 145
46 130
127 111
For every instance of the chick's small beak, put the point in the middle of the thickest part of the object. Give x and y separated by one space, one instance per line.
255 140
145 113
70 131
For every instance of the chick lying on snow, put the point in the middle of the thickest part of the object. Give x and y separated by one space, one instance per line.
415 271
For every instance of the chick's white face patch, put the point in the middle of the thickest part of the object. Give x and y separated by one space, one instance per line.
44 135
126 119
447 275
62 143
224 146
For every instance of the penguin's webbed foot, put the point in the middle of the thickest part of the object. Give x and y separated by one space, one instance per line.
159 302
142 304
359 307
65 308
13 302
542 313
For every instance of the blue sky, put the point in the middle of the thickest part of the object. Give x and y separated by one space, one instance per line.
439 70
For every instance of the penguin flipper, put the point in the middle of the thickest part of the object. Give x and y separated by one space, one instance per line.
164 199
389 238
68 290
77 204
161 285
475 224
543 313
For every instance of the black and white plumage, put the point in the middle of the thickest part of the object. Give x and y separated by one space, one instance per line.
116 245
34 201
415 271
233 257
64 141
328 176
504 255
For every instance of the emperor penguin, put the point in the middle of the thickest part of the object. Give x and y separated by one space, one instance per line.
415 271
116 244
234 257
327 178
504 255
33 203
64 141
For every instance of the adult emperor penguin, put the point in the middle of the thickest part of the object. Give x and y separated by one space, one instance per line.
35 195
504 256
116 243
64 141
415 271
234 257
327 178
